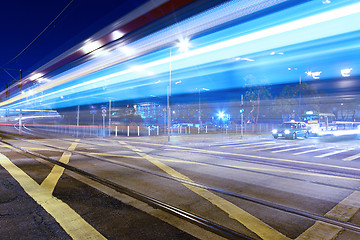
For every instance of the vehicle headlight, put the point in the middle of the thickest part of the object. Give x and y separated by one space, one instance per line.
274 131
287 131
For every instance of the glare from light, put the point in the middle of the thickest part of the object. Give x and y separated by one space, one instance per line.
157 82
248 59
35 76
346 72
127 51
183 44
178 82
274 131
91 46
326 1
115 35
221 115
272 53
237 59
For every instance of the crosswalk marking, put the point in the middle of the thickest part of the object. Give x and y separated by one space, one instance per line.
261 149
313 150
255 145
333 153
247 144
290 149
356 156
263 230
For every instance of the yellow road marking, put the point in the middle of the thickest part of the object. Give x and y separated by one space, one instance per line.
251 156
42 149
320 231
352 157
347 208
249 221
343 211
69 220
52 179
112 155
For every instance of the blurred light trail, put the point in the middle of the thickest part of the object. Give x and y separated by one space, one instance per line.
109 75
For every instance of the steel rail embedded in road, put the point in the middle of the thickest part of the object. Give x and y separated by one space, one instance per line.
202 222
178 212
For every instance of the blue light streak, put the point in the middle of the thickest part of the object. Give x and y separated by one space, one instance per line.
312 37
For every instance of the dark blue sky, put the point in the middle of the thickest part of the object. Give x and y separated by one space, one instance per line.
22 20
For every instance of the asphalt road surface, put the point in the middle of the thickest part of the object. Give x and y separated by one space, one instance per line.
256 186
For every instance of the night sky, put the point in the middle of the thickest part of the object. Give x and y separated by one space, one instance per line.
23 20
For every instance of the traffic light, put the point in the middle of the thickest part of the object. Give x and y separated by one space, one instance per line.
241 110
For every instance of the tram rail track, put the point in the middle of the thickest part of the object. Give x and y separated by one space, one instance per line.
206 224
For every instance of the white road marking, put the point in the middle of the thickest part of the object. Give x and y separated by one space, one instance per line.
333 153
313 150
291 149
356 156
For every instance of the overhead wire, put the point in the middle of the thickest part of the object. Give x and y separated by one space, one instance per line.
39 35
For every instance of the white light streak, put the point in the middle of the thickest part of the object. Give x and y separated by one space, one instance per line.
36 76
91 46
346 72
115 35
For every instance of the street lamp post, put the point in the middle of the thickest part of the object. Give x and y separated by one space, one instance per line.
183 46
168 101
205 89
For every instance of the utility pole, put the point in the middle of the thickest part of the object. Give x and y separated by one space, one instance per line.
242 116
109 117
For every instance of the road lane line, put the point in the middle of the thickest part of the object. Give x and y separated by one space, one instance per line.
69 220
261 149
249 156
42 149
313 150
343 211
333 153
291 149
256 145
351 158
249 221
52 179
112 155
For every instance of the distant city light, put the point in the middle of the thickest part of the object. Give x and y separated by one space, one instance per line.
221 115
315 75
346 72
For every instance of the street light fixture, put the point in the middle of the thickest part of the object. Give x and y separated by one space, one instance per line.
183 44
